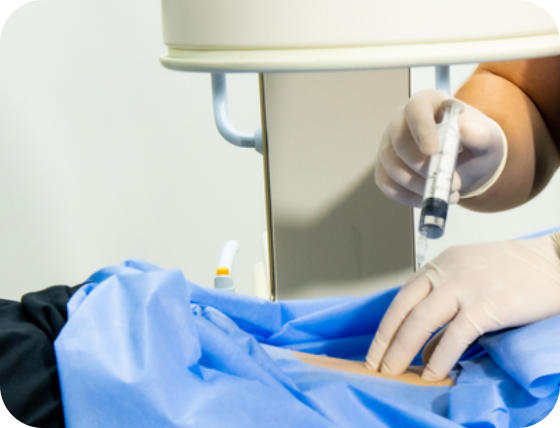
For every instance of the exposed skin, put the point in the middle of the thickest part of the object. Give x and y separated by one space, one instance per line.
410 376
524 98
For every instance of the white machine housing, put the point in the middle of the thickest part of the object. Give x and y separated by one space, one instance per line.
306 35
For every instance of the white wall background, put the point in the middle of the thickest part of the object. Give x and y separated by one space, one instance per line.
464 226
105 155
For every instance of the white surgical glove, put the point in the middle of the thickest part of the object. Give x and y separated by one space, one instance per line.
471 290
410 139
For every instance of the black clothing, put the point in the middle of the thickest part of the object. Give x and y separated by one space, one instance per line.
28 374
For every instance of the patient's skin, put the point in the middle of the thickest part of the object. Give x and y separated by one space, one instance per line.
411 376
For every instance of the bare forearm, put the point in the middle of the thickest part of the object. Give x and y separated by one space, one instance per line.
532 158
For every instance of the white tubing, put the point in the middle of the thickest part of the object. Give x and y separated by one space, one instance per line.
228 254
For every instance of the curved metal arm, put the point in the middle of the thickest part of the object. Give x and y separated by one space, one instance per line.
223 123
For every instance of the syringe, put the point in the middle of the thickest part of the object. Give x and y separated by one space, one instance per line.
440 172
441 169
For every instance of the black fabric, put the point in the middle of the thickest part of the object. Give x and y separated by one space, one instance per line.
28 375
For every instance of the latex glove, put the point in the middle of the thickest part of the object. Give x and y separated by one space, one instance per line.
410 139
473 290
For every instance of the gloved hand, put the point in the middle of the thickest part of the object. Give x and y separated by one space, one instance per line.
402 162
472 289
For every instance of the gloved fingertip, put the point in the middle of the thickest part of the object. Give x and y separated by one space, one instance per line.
431 376
373 357
385 369
371 364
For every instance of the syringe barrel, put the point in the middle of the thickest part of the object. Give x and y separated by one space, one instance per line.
440 172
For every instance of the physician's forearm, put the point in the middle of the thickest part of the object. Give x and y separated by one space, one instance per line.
524 98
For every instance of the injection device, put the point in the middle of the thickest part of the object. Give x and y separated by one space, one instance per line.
440 172
441 169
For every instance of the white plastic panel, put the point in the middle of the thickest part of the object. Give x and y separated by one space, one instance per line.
251 35
258 24
332 230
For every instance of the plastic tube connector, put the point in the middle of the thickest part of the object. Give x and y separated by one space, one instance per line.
223 279
224 282
227 256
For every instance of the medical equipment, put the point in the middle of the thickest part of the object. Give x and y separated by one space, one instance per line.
270 38
223 279
441 169
438 184
440 172
224 276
